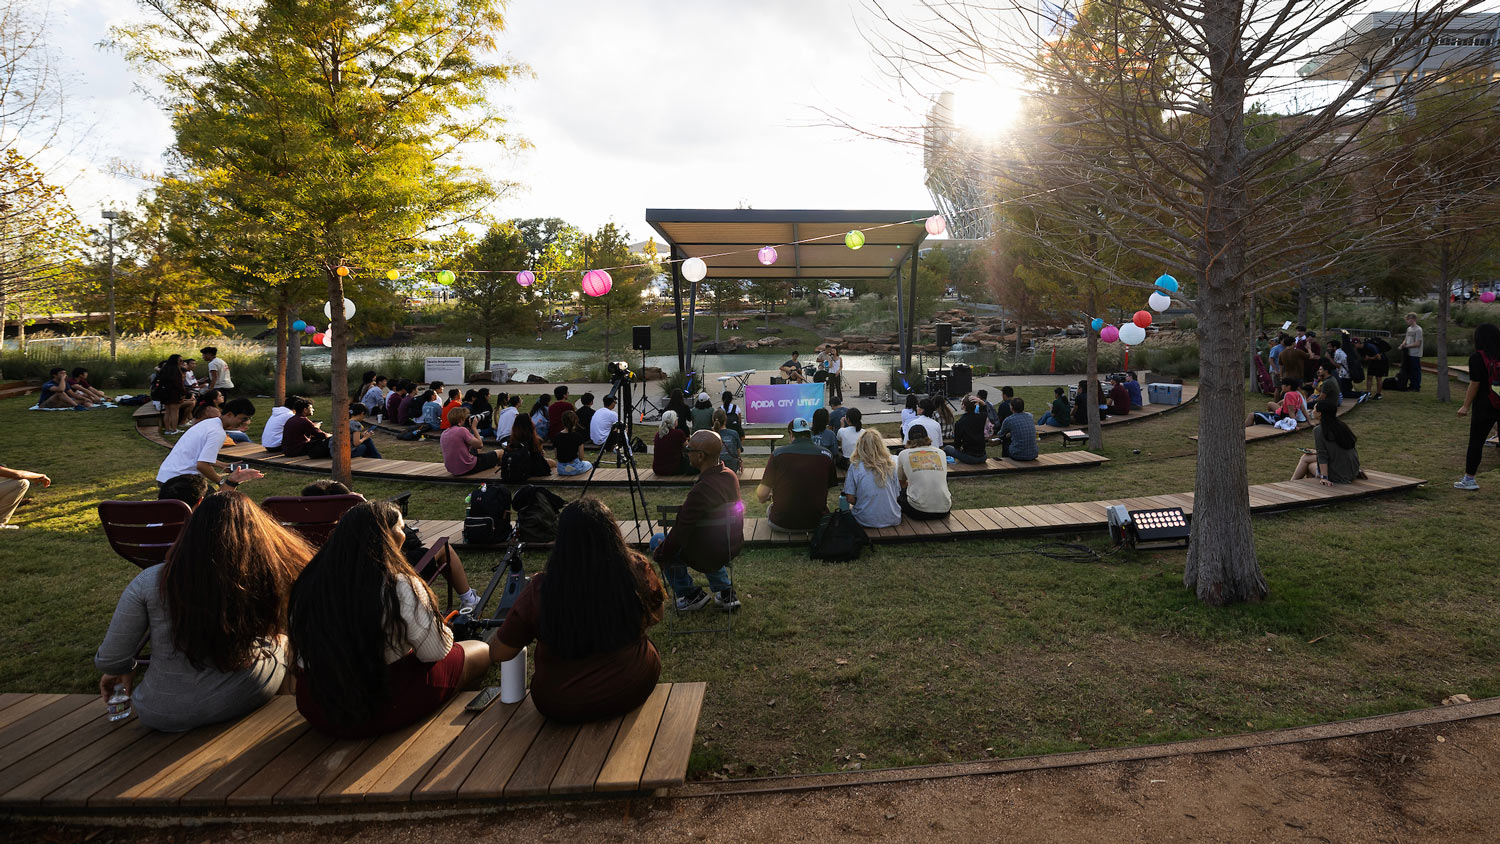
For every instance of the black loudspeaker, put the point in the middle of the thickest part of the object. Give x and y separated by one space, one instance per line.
944 334
867 389
640 338
960 380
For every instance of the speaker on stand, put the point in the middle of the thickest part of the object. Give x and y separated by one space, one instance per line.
640 340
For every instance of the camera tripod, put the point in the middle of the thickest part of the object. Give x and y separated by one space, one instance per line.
509 579
619 442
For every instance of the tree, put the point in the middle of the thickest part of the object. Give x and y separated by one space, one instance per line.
489 299
608 248
1147 145
338 125
41 242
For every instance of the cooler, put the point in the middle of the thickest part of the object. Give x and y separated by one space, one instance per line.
1164 393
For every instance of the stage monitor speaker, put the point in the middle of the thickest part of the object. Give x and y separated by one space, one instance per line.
867 389
944 334
960 380
640 338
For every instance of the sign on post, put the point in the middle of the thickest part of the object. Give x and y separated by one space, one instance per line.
781 403
446 370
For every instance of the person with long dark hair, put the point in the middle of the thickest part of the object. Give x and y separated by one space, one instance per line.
171 392
588 612
1333 459
371 651
215 615
1481 400
523 456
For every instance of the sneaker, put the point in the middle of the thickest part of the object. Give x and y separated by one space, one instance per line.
468 599
693 601
1466 483
9 527
727 600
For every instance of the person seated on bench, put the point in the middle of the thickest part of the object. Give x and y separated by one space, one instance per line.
796 481
836 413
848 437
677 403
198 450
55 392
555 410
585 411
1081 405
270 437
1287 405
701 417
908 414
1333 459
871 486
826 437
944 416
452 402
569 440
700 538
505 420
214 614
373 653
968 434
792 370
463 450
588 612
393 402
189 489
412 547
373 397
922 469
208 404
669 448
732 453
1018 439
539 421
926 418
432 413
603 420
302 437
14 484
1119 397
991 412
361 442
410 411
1328 386
1133 387
78 384
523 457
1061 414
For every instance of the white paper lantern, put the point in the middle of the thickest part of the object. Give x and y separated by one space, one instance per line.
1159 301
348 310
1132 334
693 269
328 339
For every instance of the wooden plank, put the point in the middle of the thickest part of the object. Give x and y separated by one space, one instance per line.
215 789
542 760
499 762
966 522
320 772
375 761
172 783
24 708
76 755
464 752
260 789
9 698
117 792
57 706
627 756
667 764
410 767
580 768
39 736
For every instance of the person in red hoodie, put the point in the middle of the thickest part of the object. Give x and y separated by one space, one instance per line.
453 401
708 533
556 409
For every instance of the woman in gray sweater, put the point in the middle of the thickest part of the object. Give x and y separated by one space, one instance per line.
214 614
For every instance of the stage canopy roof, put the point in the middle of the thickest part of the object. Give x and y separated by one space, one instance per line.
809 244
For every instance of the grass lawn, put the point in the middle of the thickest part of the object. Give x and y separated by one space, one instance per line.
945 651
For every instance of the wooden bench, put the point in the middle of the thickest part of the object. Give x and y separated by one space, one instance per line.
147 416
58 752
1072 438
12 389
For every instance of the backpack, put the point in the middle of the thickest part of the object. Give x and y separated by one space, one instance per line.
515 465
536 514
318 449
1492 368
1381 344
486 519
839 538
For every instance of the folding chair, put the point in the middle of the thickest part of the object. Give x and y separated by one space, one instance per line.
143 531
313 516
667 518
437 569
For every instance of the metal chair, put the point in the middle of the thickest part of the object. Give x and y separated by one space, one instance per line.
732 515
313 516
143 531
438 568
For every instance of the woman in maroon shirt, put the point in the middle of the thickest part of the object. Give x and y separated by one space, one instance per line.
588 612
669 450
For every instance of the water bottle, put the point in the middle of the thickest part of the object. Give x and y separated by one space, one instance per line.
118 707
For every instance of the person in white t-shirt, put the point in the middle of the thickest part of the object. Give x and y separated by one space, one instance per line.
506 419
848 436
198 448
190 377
270 436
924 419
218 370
604 419
922 470
835 374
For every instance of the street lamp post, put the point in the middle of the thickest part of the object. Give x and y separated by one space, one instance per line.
110 217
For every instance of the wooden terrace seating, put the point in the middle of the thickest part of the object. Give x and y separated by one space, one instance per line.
58 752
143 531
1263 432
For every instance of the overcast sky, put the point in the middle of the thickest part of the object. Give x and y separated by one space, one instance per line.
634 104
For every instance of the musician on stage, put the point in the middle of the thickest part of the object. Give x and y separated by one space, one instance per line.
792 370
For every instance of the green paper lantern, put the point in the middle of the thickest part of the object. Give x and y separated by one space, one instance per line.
854 239
445 277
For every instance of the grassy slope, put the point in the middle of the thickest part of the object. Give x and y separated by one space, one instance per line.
949 650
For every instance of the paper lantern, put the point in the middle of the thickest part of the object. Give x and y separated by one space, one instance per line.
1097 324
1487 296
936 225
319 338
766 255
1132 334
1109 334
392 274
348 309
693 269
854 239
1167 283
445 277
525 278
1159 301
1141 318
342 271
328 339
299 325
310 329
596 283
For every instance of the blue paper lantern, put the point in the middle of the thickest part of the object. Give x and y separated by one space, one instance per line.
1097 323
299 325
1167 283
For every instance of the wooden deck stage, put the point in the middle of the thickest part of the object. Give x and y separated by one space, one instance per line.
57 752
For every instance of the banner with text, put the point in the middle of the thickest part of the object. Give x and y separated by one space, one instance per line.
781 403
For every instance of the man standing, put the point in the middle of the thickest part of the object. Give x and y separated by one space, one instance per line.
1411 355
14 484
796 482
604 419
198 449
708 533
835 375
218 370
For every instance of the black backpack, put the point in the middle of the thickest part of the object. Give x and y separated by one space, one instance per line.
839 538
515 464
486 520
536 514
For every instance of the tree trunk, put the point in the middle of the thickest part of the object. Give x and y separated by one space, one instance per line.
488 338
1096 433
338 411
1444 308
294 380
1221 566
283 335
1304 299
21 326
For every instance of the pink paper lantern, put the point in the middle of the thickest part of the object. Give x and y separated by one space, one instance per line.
525 278
936 225
596 283
1487 296
766 255
1109 334
1141 318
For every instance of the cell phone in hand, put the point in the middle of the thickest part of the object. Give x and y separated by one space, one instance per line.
235 467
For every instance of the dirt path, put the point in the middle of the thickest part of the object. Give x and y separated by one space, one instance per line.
1418 784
